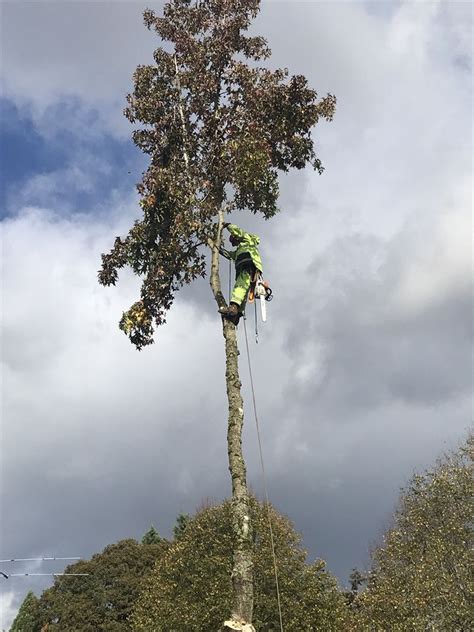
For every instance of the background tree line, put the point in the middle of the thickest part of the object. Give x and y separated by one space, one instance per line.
420 576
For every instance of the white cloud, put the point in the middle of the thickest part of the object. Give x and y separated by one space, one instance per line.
441 260
410 35
88 51
8 609
61 326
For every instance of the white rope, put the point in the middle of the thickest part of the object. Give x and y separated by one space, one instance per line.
267 502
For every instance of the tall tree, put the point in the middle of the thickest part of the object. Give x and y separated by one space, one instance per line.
105 598
190 584
217 127
27 617
421 576
151 536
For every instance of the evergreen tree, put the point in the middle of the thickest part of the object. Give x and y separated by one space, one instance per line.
104 599
217 127
181 524
26 619
422 577
151 536
356 580
190 585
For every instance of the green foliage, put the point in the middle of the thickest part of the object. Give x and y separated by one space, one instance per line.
103 600
356 580
422 576
190 586
151 536
181 524
217 130
26 619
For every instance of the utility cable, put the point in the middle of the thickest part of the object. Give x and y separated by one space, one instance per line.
7 576
267 502
39 559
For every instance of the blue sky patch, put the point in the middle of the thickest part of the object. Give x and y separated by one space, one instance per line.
23 151
68 170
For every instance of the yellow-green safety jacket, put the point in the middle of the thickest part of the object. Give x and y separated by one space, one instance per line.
246 252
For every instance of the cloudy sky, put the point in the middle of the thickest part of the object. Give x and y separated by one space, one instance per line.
363 370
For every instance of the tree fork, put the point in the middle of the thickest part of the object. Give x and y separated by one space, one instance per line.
242 571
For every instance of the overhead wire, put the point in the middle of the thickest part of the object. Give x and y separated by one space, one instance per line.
38 559
7 576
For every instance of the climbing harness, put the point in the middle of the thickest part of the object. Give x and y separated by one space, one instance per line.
261 290
264 481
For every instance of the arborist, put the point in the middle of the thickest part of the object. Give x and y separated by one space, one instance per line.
247 263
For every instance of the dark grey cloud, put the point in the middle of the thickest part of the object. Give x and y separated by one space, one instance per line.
365 338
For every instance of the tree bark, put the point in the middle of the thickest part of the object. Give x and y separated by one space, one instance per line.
242 572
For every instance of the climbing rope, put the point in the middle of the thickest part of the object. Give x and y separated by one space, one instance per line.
267 502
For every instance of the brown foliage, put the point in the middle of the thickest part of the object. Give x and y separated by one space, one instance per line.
218 130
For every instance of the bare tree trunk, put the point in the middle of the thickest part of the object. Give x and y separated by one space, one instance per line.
242 572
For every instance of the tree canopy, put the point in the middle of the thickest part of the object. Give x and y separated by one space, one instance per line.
101 601
151 536
218 126
190 586
27 618
422 577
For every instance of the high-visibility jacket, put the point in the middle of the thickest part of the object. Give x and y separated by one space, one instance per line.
246 252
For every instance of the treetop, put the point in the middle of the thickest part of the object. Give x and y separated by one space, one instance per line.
218 128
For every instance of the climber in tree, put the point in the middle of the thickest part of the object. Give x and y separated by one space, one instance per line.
247 262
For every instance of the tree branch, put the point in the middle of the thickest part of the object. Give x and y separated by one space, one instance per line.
181 113
215 280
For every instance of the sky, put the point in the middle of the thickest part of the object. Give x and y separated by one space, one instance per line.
363 371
